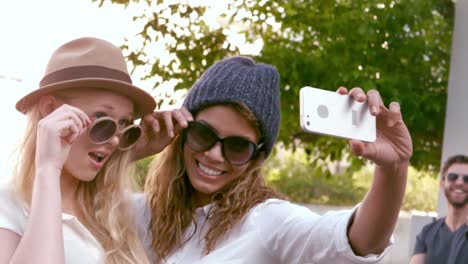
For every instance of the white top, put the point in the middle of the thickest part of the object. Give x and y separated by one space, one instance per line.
80 245
275 231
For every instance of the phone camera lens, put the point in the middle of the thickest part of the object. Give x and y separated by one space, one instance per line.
322 111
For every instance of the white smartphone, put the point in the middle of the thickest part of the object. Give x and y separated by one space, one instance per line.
329 113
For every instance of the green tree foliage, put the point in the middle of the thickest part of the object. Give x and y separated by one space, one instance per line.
140 171
297 176
399 47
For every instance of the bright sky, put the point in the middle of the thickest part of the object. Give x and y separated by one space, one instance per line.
30 31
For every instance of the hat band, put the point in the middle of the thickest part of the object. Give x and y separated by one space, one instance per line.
83 72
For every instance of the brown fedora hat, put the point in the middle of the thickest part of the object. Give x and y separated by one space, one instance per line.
89 63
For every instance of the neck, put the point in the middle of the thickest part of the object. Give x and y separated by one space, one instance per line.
201 199
68 186
456 217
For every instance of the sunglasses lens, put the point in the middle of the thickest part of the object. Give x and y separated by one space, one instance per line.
199 137
452 176
102 130
238 150
129 137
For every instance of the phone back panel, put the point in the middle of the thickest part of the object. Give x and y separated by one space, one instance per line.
329 113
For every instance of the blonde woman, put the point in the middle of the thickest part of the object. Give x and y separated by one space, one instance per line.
68 202
207 201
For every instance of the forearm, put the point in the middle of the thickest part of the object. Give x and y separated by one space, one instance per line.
375 219
42 241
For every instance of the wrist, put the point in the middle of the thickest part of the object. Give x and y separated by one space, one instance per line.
393 171
48 171
394 165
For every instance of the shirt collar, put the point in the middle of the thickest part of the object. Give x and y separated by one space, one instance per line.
205 210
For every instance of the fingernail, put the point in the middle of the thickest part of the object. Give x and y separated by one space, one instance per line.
391 123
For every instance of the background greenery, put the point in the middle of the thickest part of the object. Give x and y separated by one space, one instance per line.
399 47
296 175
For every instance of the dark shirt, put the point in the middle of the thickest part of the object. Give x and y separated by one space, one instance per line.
441 245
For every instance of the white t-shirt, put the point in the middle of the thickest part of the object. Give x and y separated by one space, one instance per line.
80 245
275 231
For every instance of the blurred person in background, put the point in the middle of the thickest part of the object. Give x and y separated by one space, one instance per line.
446 239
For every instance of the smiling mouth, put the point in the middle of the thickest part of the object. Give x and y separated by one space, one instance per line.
209 171
96 156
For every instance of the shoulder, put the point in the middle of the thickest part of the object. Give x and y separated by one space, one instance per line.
277 210
8 200
12 212
139 206
142 218
429 231
434 225
140 211
138 201
283 208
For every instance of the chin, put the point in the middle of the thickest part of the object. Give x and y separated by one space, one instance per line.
84 177
87 179
202 187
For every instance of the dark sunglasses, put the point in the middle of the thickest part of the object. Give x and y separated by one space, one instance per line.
237 150
105 128
454 176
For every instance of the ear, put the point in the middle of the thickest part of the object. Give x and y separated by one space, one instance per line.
441 181
47 104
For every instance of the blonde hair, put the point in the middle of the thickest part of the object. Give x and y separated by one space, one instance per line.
171 202
103 202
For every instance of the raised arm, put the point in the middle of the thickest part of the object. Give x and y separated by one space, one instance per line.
374 221
42 241
159 129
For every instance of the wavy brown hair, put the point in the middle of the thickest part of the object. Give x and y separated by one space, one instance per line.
103 202
171 200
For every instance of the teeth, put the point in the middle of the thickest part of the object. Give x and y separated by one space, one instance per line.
209 171
458 191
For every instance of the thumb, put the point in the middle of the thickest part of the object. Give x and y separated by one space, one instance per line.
363 149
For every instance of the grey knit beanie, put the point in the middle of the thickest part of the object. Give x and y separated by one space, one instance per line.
241 80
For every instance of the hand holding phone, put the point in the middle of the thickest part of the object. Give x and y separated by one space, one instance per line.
329 113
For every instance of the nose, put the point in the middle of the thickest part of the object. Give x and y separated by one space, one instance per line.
459 180
215 153
114 141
